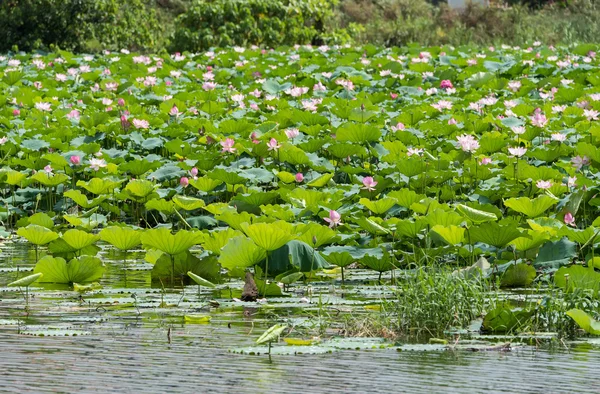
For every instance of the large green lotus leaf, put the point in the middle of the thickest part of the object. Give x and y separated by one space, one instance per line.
476 215
293 155
185 262
161 205
411 167
48 180
14 178
205 184
124 238
79 270
296 254
555 254
79 239
545 225
268 236
216 240
163 240
227 176
531 240
341 151
505 319
357 133
235 220
577 277
188 203
138 167
283 212
99 186
408 228
286 177
380 206
304 198
531 207
81 200
405 197
443 218
371 225
257 198
315 234
518 275
494 234
452 235
41 219
241 252
37 235
582 237
585 321
379 264
25 281
320 181
140 187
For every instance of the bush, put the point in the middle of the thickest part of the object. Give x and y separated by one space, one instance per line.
78 25
268 23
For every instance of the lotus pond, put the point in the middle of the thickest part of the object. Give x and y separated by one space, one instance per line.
279 214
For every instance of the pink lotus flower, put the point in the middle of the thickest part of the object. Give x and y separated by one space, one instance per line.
121 102
558 137
369 183
43 106
74 114
3 140
141 123
174 111
414 151
485 161
75 160
517 151
394 96
452 121
514 85
16 112
579 162
399 127
468 143
96 164
299 177
569 219
208 86
292 133
334 219
48 169
590 114
184 181
273 145
518 130
446 84
541 184
539 120
194 172
228 145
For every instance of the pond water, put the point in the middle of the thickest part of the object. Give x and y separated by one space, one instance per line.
131 337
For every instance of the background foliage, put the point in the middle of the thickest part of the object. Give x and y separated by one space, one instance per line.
196 25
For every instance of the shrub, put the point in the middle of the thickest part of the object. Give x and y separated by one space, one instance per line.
267 23
78 25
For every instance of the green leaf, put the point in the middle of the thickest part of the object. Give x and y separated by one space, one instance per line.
452 235
531 207
272 334
80 270
200 281
81 200
494 234
266 235
296 254
163 240
188 203
320 181
241 252
357 133
518 275
585 321
37 235
476 215
555 254
380 206
161 205
577 277
41 219
124 238
79 239
100 186
25 281
505 319
140 187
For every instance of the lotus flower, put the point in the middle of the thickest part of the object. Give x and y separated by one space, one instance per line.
569 219
184 181
299 177
273 145
334 219
518 151
75 160
369 183
228 145
468 143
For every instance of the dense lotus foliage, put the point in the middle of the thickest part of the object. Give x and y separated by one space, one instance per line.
285 162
